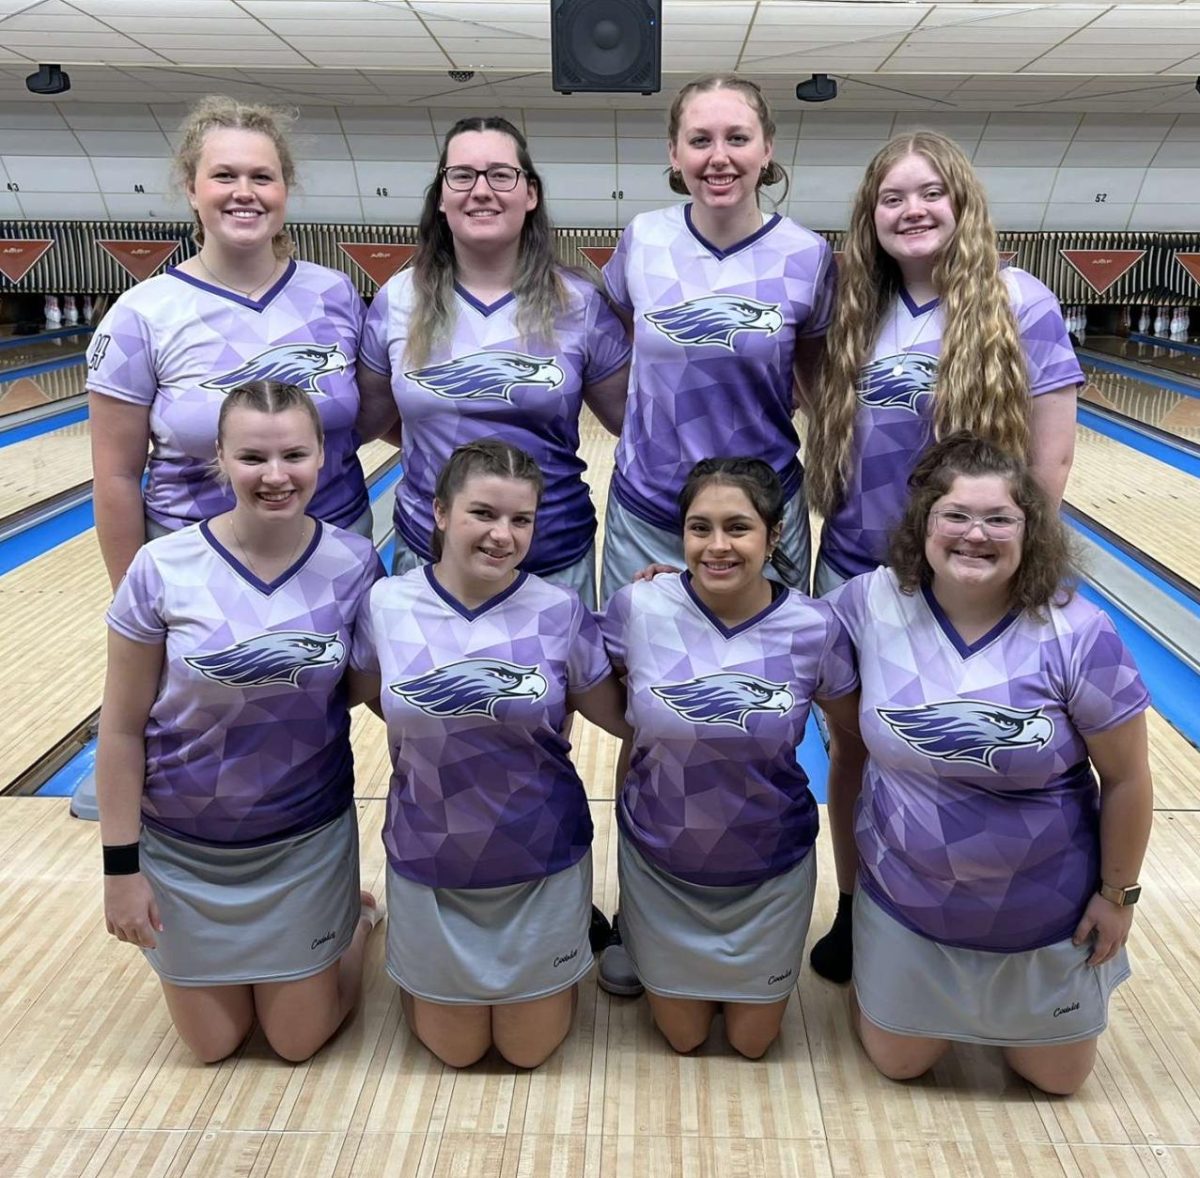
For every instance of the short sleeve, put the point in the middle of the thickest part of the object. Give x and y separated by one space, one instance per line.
1049 353
613 620
587 659
838 673
136 612
607 344
614 271
121 357
373 351
363 654
848 602
1105 688
824 294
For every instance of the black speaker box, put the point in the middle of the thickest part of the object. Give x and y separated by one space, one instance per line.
606 46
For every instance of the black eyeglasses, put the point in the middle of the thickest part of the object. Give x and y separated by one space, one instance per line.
500 177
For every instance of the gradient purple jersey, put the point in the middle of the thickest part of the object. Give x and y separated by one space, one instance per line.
714 342
978 824
714 794
483 792
894 423
248 739
178 345
490 382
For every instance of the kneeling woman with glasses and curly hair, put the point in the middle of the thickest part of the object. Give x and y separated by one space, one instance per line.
1006 802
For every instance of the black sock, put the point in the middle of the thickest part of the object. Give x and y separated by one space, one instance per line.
833 955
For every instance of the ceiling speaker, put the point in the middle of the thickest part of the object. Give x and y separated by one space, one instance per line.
606 46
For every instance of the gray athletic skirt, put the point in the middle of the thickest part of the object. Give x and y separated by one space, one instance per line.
488 946
826 578
243 915
580 576
720 944
630 544
911 985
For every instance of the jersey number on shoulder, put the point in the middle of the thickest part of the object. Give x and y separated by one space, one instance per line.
99 347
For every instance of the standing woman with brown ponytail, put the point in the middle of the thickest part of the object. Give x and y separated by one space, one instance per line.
929 336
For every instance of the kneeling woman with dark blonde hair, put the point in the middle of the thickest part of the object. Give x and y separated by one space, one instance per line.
996 876
488 833
224 773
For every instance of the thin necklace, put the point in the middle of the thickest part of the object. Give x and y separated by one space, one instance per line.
246 554
898 368
237 289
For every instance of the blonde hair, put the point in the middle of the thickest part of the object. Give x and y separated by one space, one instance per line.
773 173
982 380
540 292
216 113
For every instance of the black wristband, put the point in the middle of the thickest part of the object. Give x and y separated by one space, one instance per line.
122 860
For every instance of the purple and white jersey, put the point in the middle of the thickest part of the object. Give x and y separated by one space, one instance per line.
248 740
978 824
483 792
714 340
178 345
714 794
894 423
491 382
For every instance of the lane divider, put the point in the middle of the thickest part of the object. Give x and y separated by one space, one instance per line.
1138 372
41 337
1176 345
32 424
1178 453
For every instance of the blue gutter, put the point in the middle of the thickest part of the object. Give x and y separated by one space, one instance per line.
67 780
9 435
1174 344
1163 382
23 341
1160 583
7 375
1183 458
1170 680
38 539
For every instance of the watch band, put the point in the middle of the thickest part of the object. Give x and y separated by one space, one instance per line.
1122 897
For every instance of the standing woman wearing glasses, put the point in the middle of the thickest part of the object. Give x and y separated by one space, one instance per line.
929 336
486 337
1006 803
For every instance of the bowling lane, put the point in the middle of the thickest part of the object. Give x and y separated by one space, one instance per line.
37 469
22 355
28 392
1149 504
1175 413
1169 360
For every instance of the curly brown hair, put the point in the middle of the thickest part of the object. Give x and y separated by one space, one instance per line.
1047 571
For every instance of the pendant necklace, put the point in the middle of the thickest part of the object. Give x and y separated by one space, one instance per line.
898 367
246 555
249 294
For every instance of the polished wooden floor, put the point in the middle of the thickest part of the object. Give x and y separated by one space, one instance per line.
93 1080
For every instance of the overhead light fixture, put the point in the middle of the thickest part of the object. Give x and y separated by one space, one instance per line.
49 79
818 88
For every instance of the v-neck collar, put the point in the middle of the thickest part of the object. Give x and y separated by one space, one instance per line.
484 309
716 251
259 304
913 309
726 631
471 614
247 574
965 649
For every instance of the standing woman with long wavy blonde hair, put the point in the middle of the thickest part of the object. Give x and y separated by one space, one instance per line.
929 336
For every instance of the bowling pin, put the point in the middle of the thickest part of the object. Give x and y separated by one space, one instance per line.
70 312
53 313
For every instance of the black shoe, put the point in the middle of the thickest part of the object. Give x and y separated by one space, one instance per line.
599 931
833 955
617 974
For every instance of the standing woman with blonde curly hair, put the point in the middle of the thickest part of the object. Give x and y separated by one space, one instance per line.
929 336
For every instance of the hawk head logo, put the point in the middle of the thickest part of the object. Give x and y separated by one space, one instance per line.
716 319
471 687
487 375
968 730
882 387
299 364
725 698
275 657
